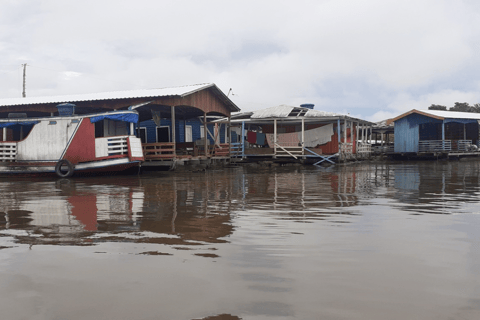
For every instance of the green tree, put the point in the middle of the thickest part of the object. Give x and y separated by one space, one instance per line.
437 107
462 107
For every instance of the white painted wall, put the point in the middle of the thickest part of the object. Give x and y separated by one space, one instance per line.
46 141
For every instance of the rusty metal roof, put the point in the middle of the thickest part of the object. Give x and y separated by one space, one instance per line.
114 95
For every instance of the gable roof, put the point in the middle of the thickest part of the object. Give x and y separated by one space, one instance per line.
441 115
118 95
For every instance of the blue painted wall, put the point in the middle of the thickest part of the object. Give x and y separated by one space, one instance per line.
151 129
407 132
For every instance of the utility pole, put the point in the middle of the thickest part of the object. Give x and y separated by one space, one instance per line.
24 79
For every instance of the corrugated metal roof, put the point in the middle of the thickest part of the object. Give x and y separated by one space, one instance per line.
439 114
144 93
453 114
283 111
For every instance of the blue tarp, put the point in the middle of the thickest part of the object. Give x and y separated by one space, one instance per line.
21 123
127 117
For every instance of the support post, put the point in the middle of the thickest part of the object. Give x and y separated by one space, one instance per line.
229 138
205 141
174 139
242 139
443 135
275 138
338 133
303 135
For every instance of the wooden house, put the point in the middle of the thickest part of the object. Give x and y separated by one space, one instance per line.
290 133
436 133
189 108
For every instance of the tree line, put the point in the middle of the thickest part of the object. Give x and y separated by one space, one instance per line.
459 106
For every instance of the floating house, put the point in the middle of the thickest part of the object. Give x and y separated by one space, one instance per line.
383 137
427 133
174 122
287 133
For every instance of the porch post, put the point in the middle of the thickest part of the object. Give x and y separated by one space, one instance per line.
205 138
303 133
174 139
275 138
338 133
357 128
381 137
443 134
229 141
132 129
242 139
4 133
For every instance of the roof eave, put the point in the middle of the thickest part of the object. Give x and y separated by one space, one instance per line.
417 112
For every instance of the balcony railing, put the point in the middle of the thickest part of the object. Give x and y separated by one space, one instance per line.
364 148
111 146
434 145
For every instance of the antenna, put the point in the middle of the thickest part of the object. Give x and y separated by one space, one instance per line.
24 79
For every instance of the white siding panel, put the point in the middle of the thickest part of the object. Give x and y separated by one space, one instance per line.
46 141
136 147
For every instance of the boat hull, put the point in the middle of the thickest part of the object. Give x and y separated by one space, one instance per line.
48 168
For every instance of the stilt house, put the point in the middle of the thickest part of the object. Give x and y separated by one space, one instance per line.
300 133
433 132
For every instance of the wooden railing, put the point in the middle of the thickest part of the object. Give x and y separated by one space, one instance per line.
434 145
364 148
221 150
8 151
463 145
346 148
158 150
288 151
237 149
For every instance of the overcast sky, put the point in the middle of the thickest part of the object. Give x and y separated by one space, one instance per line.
373 59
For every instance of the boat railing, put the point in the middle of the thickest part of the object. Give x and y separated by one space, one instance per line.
111 146
8 151
117 146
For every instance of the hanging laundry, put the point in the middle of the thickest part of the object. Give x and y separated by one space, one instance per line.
260 138
252 137
284 139
318 136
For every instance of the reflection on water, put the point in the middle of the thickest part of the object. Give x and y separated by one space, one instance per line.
376 241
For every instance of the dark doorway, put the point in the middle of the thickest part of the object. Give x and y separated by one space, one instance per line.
163 134
142 134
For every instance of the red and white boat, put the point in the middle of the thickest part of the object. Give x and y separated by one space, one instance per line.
69 144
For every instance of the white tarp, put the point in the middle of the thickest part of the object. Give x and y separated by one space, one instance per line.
313 137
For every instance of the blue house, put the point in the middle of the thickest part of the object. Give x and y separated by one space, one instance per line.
433 131
190 130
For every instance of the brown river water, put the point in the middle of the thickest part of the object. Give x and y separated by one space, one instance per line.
390 240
